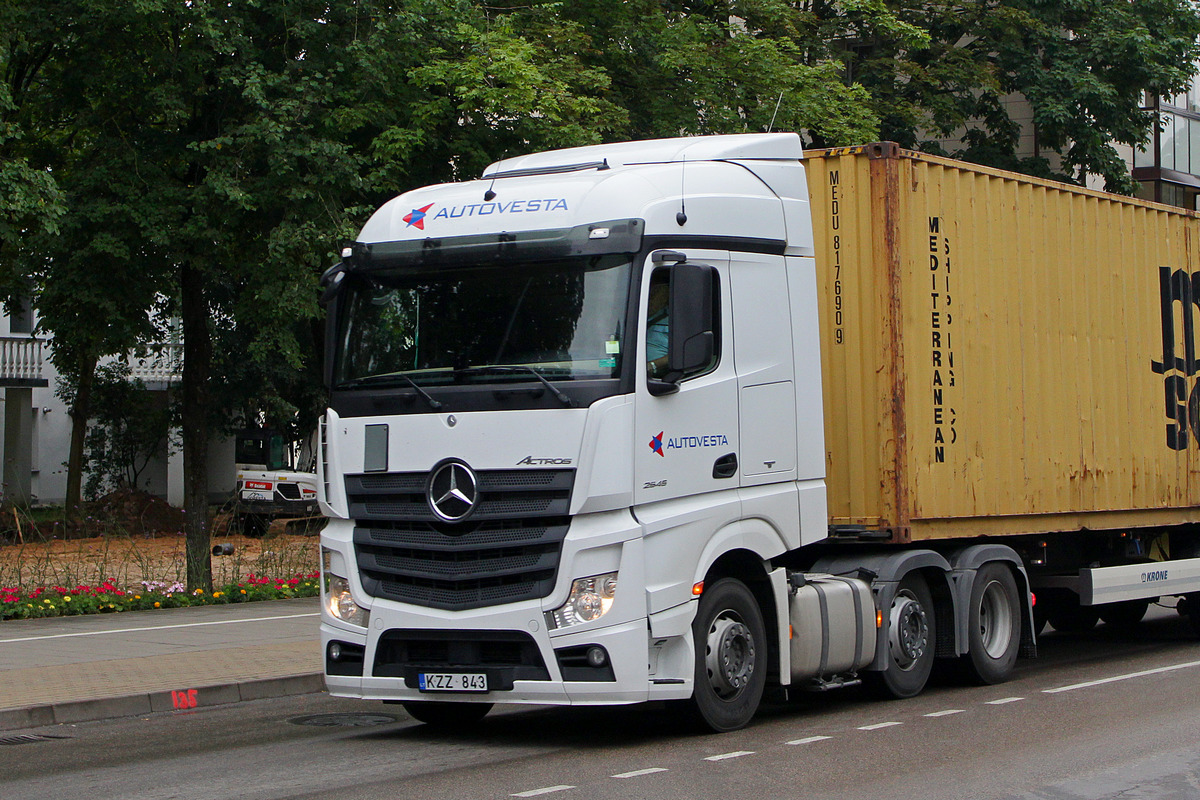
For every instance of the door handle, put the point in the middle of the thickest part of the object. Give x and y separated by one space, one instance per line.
725 466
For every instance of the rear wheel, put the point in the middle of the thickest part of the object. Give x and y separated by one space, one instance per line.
1124 615
911 637
994 625
448 716
1193 611
731 656
1067 616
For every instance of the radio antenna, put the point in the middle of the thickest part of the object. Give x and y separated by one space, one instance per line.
777 102
681 217
490 194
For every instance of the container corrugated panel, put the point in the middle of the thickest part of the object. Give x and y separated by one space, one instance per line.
1002 354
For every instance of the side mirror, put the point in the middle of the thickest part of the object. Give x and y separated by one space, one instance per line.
692 341
331 282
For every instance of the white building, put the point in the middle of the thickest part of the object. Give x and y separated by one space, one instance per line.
37 428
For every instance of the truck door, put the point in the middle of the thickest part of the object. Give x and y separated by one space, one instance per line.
689 438
765 368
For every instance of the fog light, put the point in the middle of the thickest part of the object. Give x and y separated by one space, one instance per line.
596 657
335 652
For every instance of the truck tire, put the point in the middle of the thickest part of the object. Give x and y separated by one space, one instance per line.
1193 611
731 657
994 624
1066 615
446 716
1124 616
911 638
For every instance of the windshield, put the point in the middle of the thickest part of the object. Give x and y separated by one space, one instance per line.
562 320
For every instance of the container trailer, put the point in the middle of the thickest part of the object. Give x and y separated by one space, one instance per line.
696 419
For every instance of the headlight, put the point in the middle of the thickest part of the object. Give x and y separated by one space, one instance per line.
590 599
338 600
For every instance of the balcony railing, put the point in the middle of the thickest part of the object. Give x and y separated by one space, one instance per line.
21 361
158 363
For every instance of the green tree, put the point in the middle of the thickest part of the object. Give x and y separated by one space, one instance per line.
30 201
685 68
218 150
1082 65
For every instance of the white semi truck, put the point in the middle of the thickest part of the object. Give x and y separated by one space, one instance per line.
688 419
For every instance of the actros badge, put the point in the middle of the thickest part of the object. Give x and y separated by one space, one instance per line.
453 491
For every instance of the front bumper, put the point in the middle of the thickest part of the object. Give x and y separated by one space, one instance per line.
541 681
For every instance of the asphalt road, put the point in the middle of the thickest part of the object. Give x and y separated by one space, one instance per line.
1101 715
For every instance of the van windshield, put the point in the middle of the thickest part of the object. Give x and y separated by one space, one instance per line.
562 320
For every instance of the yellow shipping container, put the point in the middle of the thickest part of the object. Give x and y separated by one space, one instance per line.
1002 354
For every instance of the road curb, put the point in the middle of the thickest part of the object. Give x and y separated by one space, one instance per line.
166 700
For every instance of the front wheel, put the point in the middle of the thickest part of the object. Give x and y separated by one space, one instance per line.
731 657
446 716
911 637
995 624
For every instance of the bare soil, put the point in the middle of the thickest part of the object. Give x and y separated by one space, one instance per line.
135 538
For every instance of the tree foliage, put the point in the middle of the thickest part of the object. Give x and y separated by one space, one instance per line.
202 161
1081 65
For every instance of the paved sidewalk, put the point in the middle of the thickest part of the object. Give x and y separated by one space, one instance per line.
73 669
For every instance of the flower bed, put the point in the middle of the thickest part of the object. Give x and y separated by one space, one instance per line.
57 601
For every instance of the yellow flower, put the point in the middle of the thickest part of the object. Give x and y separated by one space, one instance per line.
217 594
158 605
198 592
243 591
66 598
137 597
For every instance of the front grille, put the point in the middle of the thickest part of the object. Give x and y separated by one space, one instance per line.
291 491
504 656
508 550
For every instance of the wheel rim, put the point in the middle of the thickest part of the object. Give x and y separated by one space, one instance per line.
729 655
995 620
909 630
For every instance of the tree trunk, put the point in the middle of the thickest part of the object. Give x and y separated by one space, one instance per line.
197 364
80 411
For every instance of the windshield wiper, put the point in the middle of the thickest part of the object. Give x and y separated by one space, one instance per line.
390 378
520 369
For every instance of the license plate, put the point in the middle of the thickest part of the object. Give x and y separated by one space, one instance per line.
453 682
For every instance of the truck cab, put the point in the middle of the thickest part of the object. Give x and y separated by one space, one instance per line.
574 451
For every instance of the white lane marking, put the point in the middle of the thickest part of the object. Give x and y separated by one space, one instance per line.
1004 701
546 790
945 713
1116 678
879 725
156 628
637 773
734 754
810 740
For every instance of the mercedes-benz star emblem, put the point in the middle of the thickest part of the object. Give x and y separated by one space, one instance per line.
453 491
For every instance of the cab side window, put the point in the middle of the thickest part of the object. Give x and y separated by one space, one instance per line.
658 323
658 326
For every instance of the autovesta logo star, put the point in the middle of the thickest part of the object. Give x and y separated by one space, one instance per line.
416 217
656 444
453 491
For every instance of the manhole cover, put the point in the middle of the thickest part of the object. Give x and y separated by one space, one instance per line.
29 738
344 720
